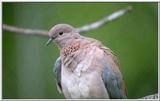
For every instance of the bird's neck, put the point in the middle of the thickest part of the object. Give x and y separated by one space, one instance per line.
70 52
76 44
70 48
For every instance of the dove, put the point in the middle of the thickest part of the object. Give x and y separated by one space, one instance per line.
86 69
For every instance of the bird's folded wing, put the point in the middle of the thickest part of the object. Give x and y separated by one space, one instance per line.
57 72
113 79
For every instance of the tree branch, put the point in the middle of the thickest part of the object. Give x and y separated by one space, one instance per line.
85 28
24 30
154 96
105 20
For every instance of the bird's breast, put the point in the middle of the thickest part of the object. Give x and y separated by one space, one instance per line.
84 86
80 73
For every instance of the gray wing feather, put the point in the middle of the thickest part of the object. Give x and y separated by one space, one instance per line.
113 83
57 72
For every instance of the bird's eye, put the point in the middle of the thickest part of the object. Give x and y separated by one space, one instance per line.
60 33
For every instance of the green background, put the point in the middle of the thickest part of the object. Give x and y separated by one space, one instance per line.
27 63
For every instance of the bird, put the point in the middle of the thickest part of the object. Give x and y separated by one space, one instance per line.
86 69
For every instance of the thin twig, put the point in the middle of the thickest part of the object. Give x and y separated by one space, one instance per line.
24 30
104 20
84 28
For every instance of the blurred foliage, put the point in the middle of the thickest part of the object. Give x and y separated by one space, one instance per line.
27 63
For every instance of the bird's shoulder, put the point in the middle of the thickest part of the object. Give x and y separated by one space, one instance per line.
106 50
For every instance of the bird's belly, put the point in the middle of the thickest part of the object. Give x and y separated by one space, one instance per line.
88 85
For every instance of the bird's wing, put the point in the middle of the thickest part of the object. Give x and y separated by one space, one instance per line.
57 72
113 79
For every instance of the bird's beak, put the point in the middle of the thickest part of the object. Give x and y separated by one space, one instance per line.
49 41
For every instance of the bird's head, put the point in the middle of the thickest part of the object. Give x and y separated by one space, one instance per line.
61 34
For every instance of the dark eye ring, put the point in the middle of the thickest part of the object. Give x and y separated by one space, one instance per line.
60 33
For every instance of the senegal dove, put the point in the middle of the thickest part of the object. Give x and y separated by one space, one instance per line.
86 69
